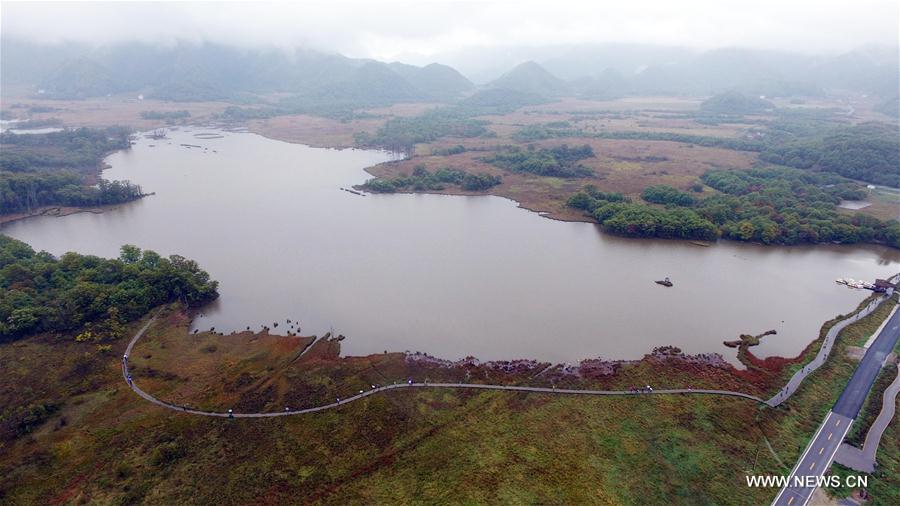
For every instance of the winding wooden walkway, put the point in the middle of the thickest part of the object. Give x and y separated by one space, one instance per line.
405 386
830 337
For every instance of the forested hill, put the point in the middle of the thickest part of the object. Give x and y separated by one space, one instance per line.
81 148
529 77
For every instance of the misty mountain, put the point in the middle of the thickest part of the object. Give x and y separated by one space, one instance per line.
529 77
439 81
373 83
608 84
869 69
216 72
206 71
81 78
671 70
27 63
577 62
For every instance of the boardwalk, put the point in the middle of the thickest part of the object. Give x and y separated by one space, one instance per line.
405 386
783 394
794 383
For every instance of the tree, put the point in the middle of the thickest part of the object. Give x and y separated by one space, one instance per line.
130 254
88 294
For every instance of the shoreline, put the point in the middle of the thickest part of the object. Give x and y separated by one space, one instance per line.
62 211
665 368
54 211
756 371
584 219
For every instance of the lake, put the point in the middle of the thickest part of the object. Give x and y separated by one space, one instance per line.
448 275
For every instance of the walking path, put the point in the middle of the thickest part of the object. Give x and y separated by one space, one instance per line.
864 460
406 385
794 383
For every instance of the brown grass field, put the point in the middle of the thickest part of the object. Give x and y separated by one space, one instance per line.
99 443
103 112
619 165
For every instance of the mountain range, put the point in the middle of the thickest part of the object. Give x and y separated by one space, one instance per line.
205 71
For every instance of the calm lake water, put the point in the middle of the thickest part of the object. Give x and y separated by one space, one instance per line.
451 276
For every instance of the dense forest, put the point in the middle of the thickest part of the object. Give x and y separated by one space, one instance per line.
423 180
41 293
40 169
81 148
619 215
559 161
664 194
868 152
402 133
23 192
770 205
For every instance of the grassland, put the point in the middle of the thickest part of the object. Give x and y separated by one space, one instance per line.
124 110
97 442
622 164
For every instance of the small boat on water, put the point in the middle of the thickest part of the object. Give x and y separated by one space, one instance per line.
665 282
841 281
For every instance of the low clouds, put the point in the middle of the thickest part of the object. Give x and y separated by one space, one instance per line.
388 30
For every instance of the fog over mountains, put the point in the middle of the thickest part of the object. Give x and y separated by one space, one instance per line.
205 71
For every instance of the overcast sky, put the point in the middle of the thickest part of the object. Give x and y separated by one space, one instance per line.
389 29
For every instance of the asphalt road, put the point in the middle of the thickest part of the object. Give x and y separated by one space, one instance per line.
816 459
853 396
820 452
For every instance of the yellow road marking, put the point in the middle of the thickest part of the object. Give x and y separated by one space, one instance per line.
811 466
822 449
791 500
829 435
838 423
